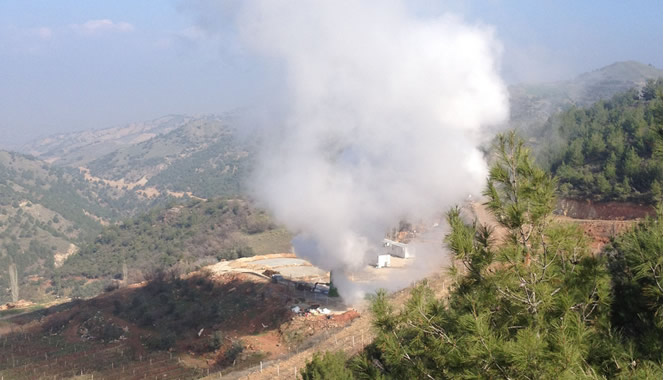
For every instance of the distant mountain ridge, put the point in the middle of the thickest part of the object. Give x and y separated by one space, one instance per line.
56 199
59 198
78 148
532 104
175 154
204 156
152 147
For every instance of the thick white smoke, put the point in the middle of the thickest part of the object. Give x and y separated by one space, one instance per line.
384 111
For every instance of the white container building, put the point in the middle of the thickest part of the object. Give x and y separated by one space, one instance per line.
383 261
398 249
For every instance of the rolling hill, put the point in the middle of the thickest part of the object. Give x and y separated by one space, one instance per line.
78 148
610 151
178 237
46 212
532 104
174 155
208 156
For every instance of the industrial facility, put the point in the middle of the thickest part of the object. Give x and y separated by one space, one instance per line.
398 249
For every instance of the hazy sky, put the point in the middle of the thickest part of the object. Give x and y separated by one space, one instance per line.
80 64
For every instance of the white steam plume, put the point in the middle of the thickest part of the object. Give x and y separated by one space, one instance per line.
384 111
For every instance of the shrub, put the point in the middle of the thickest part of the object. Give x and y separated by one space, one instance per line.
160 342
330 366
216 340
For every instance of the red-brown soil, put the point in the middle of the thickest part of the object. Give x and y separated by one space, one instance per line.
576 209
56 333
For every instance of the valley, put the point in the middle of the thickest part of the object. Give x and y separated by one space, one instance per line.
231 319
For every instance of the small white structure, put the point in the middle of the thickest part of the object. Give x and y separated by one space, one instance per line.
383 261
397 249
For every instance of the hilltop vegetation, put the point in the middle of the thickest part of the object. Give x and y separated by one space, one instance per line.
178 237
47 213
46 210
219 170
610 151
49 210
76 149
531 105
203 156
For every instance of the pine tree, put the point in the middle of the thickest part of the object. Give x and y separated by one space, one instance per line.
536 305
329 366
521 195
635 259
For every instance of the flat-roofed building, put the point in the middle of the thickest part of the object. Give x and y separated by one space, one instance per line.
398 249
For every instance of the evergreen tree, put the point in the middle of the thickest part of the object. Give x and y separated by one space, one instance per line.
635 259
536 305
330 366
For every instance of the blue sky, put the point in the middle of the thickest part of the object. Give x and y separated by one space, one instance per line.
78 64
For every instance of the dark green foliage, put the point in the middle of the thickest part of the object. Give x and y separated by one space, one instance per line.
521 195
333 292
636 266
215 341
329 366
231 353
610 151
100 328
535 306
160 342
182 236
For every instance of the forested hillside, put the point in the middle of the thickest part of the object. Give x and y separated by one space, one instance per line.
531 104
49 211
610 151
178 237
46 212
219 170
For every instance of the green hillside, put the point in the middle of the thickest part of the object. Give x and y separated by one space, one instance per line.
47 211
177 237
218 170
204 156
611 150
532 104
76 149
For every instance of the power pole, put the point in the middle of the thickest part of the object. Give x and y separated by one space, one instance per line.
13 281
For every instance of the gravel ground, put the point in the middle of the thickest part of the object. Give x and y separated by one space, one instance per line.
279 262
